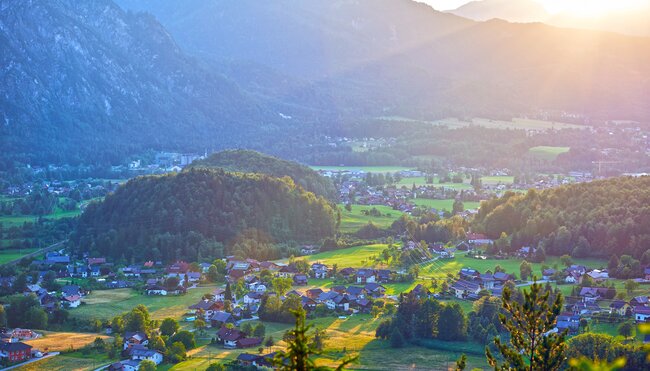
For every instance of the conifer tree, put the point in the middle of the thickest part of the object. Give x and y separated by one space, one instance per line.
532 346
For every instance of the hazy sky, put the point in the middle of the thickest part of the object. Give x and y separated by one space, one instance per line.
574 7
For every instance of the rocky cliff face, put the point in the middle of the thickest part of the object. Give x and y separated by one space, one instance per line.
83 79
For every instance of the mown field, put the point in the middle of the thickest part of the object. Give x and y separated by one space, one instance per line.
547 153
446 205
105 304
352 221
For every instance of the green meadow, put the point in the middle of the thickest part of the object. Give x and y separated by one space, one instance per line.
352 221
11 220
10 255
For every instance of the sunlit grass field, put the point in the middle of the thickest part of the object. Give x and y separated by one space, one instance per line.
355 257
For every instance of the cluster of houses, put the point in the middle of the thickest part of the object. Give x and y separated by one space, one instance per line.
87 188
591 298
69 296
249 270
12 349
574 274
256 360
592 302
180 271
356 297
135 350
471 282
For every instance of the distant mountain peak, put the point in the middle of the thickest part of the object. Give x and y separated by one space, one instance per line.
510 10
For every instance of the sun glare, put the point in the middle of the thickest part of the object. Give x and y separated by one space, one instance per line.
592 8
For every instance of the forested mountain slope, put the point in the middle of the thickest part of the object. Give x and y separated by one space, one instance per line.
86 80
198 212
601 218
246 161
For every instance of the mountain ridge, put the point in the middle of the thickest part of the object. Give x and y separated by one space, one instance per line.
378 58
96 81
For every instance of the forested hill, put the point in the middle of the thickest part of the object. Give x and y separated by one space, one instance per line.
246 161
601 218
196 213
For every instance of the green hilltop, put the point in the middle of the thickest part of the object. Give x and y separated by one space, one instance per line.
246 161
203 212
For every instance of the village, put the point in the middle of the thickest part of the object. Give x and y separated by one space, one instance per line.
320 289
